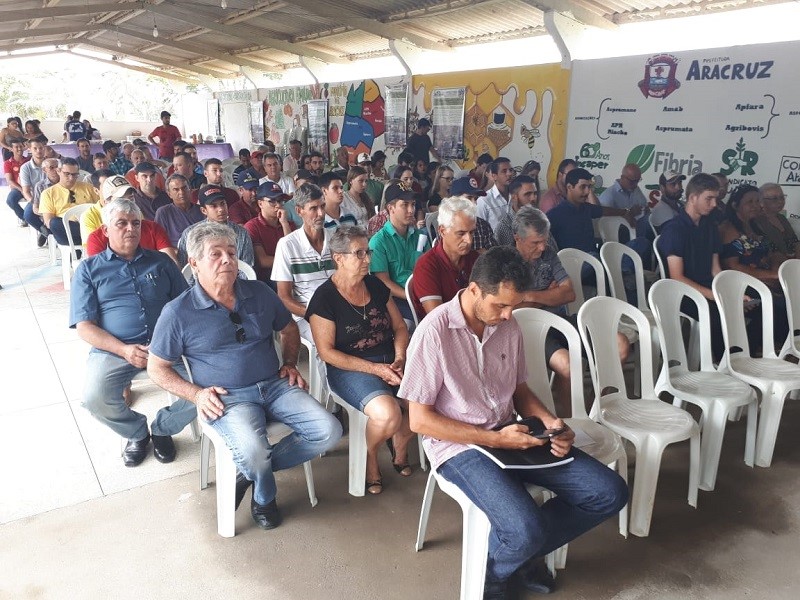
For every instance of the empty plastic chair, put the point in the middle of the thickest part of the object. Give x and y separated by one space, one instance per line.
773 377
608 227
718 394
573 260
789 276
648 423
414 315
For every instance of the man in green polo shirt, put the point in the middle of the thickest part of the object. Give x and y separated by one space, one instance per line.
397 246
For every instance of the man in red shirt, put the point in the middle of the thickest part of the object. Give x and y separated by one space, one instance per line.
11 169
268 227
167 135
246 207
442 272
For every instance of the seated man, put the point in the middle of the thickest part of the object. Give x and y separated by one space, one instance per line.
214 207
521 192
246 207
467 187
58 199
224 327
116 298
671 185
398 245
108 188
148 195
50 167
214 175
183 165
333 195
268 227
471 394
138 157
179 214
442 272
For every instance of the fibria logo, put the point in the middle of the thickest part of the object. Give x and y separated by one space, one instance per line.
642 156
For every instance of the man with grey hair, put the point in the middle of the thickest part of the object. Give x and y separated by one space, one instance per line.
116 298
224 327
441 273
180 214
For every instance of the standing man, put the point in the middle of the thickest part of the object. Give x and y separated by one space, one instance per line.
85 158
246 207
290 161
214 175
183 165
11 168
214 207
116 161
68 192
397 246
225 328
420 145
556 194
167 136
149 198
521 192
495 204
179 214
669 203
471 394
268 227
116 299
442 272
272 168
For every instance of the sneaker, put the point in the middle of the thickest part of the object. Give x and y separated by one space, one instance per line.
41 241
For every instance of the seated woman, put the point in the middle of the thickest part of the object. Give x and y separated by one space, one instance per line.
359 333
356 200
772 224
33 130
442 180
746 251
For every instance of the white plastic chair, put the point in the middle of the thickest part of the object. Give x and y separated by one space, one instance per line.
606 445
789 276
430 220
648 423
608 227
414 315
69 256
357 447
662 270
573 260
717 394
773 377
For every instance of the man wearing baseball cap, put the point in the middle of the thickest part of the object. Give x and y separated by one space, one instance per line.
271 224
257 162
213 205
167 136
246 207
148 197
398 245
110 188
116 161
671 184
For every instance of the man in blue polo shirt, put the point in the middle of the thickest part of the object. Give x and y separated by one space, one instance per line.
116 298
224 327
397 245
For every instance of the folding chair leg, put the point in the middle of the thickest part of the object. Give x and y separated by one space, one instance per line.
312 494
424 513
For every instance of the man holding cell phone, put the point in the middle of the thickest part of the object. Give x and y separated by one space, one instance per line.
460 396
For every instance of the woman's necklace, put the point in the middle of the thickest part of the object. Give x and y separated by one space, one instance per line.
363 312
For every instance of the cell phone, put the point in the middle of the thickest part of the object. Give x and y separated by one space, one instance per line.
549 433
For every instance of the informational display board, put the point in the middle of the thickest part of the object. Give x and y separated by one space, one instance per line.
214 129
396 115
447 128
318 127
256 122
730 110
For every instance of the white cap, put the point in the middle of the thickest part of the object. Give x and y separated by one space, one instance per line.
115 187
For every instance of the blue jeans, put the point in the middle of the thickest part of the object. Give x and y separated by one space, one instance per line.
31 218
358 388
243 426
13 198
107 375
60 233
587 493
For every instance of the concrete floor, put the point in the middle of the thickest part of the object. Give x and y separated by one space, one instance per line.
77 524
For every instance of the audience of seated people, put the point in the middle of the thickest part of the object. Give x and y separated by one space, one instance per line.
59 198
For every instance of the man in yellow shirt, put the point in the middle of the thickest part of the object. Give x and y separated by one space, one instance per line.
58 199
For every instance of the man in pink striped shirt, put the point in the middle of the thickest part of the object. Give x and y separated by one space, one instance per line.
466 381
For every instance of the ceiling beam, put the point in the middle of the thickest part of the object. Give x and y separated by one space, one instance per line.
150 58
145 70
581 14
248 33
354 19
52 31
194 49
51 12
25 45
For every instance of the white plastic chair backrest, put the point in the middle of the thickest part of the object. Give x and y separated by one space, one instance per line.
73 214
729 288
244 269
573 260
414 315
609 228
227 175
430 220
535 323
652 227
666 297
598 322
611 254
789 276
662 268
186 271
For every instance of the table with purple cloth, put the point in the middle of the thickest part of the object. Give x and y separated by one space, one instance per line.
204 151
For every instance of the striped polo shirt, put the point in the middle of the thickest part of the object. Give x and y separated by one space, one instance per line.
297 261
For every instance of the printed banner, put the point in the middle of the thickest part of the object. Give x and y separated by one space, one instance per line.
730 110
256 122
318 127
396 115
447 122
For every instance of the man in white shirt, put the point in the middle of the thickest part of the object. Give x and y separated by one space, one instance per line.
494 204
272 166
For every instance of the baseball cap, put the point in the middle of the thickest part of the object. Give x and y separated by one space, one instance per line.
165 113
363 158
670 177
466 185
257 154
115 187
484 159
271 191
247 179
399 191
145 167
209 194
110 144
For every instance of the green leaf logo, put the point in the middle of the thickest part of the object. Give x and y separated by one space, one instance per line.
642 156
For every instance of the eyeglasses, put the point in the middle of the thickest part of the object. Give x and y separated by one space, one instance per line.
72 197
360 254
446 178
236 319
774 198
69 174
